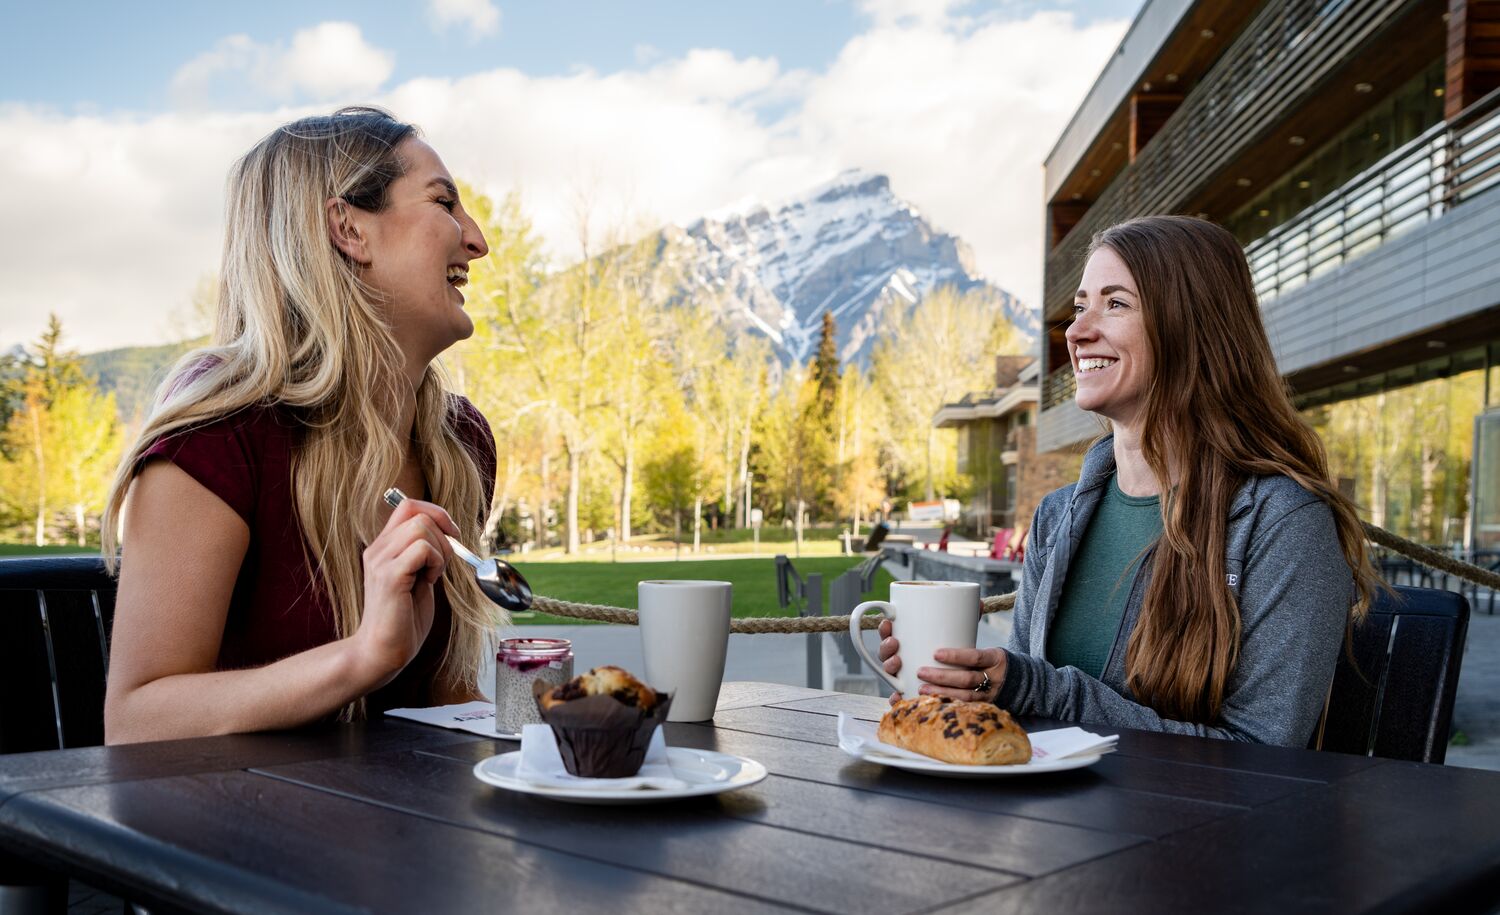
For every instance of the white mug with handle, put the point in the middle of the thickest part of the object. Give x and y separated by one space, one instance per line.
925 616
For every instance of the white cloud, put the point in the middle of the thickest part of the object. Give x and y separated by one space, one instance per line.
961 121
908 12
959 113
480 17
328 61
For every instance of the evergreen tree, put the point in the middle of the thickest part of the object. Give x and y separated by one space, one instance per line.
825 368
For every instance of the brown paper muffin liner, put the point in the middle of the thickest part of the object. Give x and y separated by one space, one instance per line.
601 737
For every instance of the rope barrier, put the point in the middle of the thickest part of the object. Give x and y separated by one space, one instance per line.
803 624
752 624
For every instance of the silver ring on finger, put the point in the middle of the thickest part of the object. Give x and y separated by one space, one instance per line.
984 684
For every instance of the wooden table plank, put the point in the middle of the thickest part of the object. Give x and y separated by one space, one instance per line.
1396 836
100 765
740 694
1223 754
980 838
691 840
242 842
1076 798
1200 783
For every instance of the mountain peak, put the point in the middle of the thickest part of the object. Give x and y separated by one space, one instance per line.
848 247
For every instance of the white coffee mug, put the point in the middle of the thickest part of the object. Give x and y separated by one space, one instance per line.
925 616
684 636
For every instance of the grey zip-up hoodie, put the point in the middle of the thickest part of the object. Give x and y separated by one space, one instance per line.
1284 565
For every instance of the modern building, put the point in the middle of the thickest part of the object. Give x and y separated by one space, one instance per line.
1353 146
997 449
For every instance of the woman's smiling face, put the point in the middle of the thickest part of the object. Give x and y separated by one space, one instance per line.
417 254
1112 359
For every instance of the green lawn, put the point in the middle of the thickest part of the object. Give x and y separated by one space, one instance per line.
614 583
26 549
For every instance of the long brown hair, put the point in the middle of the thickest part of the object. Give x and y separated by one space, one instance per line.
1216 412
298 328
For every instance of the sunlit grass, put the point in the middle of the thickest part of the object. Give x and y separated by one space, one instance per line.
28 549
614 584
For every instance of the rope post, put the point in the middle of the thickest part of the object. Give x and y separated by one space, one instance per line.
812 605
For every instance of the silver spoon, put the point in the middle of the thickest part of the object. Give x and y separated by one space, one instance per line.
498 579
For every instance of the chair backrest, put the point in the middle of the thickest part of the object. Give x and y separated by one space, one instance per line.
1398 704
1000 548
55 616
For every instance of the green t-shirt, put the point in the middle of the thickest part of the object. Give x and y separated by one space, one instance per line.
1099 579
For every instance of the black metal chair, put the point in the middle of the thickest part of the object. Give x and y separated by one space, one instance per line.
1396 700
55 616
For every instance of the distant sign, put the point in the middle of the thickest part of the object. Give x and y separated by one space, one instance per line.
924 511
756 517
936 510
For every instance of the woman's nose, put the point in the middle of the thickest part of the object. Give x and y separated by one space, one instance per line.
474 242
1081 328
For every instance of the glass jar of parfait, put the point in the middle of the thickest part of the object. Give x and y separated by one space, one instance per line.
518 664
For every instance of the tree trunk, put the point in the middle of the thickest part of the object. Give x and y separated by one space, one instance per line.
575 480
627 479
931 445
541 523
496 518
41 476
1431 460
745 468
677 531
728 503
697 524
78 519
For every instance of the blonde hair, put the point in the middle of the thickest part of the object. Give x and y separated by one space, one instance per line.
297 328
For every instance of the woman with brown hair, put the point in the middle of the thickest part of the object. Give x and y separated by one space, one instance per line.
1200 576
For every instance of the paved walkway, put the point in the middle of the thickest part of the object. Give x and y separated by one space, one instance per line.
1476 714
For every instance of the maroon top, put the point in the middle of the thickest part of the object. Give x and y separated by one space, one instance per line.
278 607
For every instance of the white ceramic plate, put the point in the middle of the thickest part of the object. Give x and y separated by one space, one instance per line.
951 770
704 770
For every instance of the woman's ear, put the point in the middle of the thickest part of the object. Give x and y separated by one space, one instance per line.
345 233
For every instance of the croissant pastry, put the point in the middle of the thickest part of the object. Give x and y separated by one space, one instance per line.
965 733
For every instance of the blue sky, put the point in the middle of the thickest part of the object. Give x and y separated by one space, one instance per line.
119 121
104 67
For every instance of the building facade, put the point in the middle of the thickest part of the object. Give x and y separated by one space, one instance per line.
997 449
1353 147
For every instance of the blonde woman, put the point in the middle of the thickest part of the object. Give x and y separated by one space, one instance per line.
262 582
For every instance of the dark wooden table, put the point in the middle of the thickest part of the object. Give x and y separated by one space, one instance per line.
388 817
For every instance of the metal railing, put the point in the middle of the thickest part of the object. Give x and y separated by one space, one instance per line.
1447 165
1058 387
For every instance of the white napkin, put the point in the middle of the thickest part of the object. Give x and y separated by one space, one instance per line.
541 764
857 738
475 717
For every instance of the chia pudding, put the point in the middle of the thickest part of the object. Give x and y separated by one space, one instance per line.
520 663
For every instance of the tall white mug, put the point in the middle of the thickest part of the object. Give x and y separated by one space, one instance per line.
925 616
684 636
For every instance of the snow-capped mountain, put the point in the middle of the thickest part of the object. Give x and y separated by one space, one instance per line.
850 247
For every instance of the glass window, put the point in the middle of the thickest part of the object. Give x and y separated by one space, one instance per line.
1391 123
1403 447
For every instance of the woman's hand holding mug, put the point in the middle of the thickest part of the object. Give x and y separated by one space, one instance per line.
938 622
968 682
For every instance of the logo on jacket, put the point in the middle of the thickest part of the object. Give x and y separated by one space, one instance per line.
1234 580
